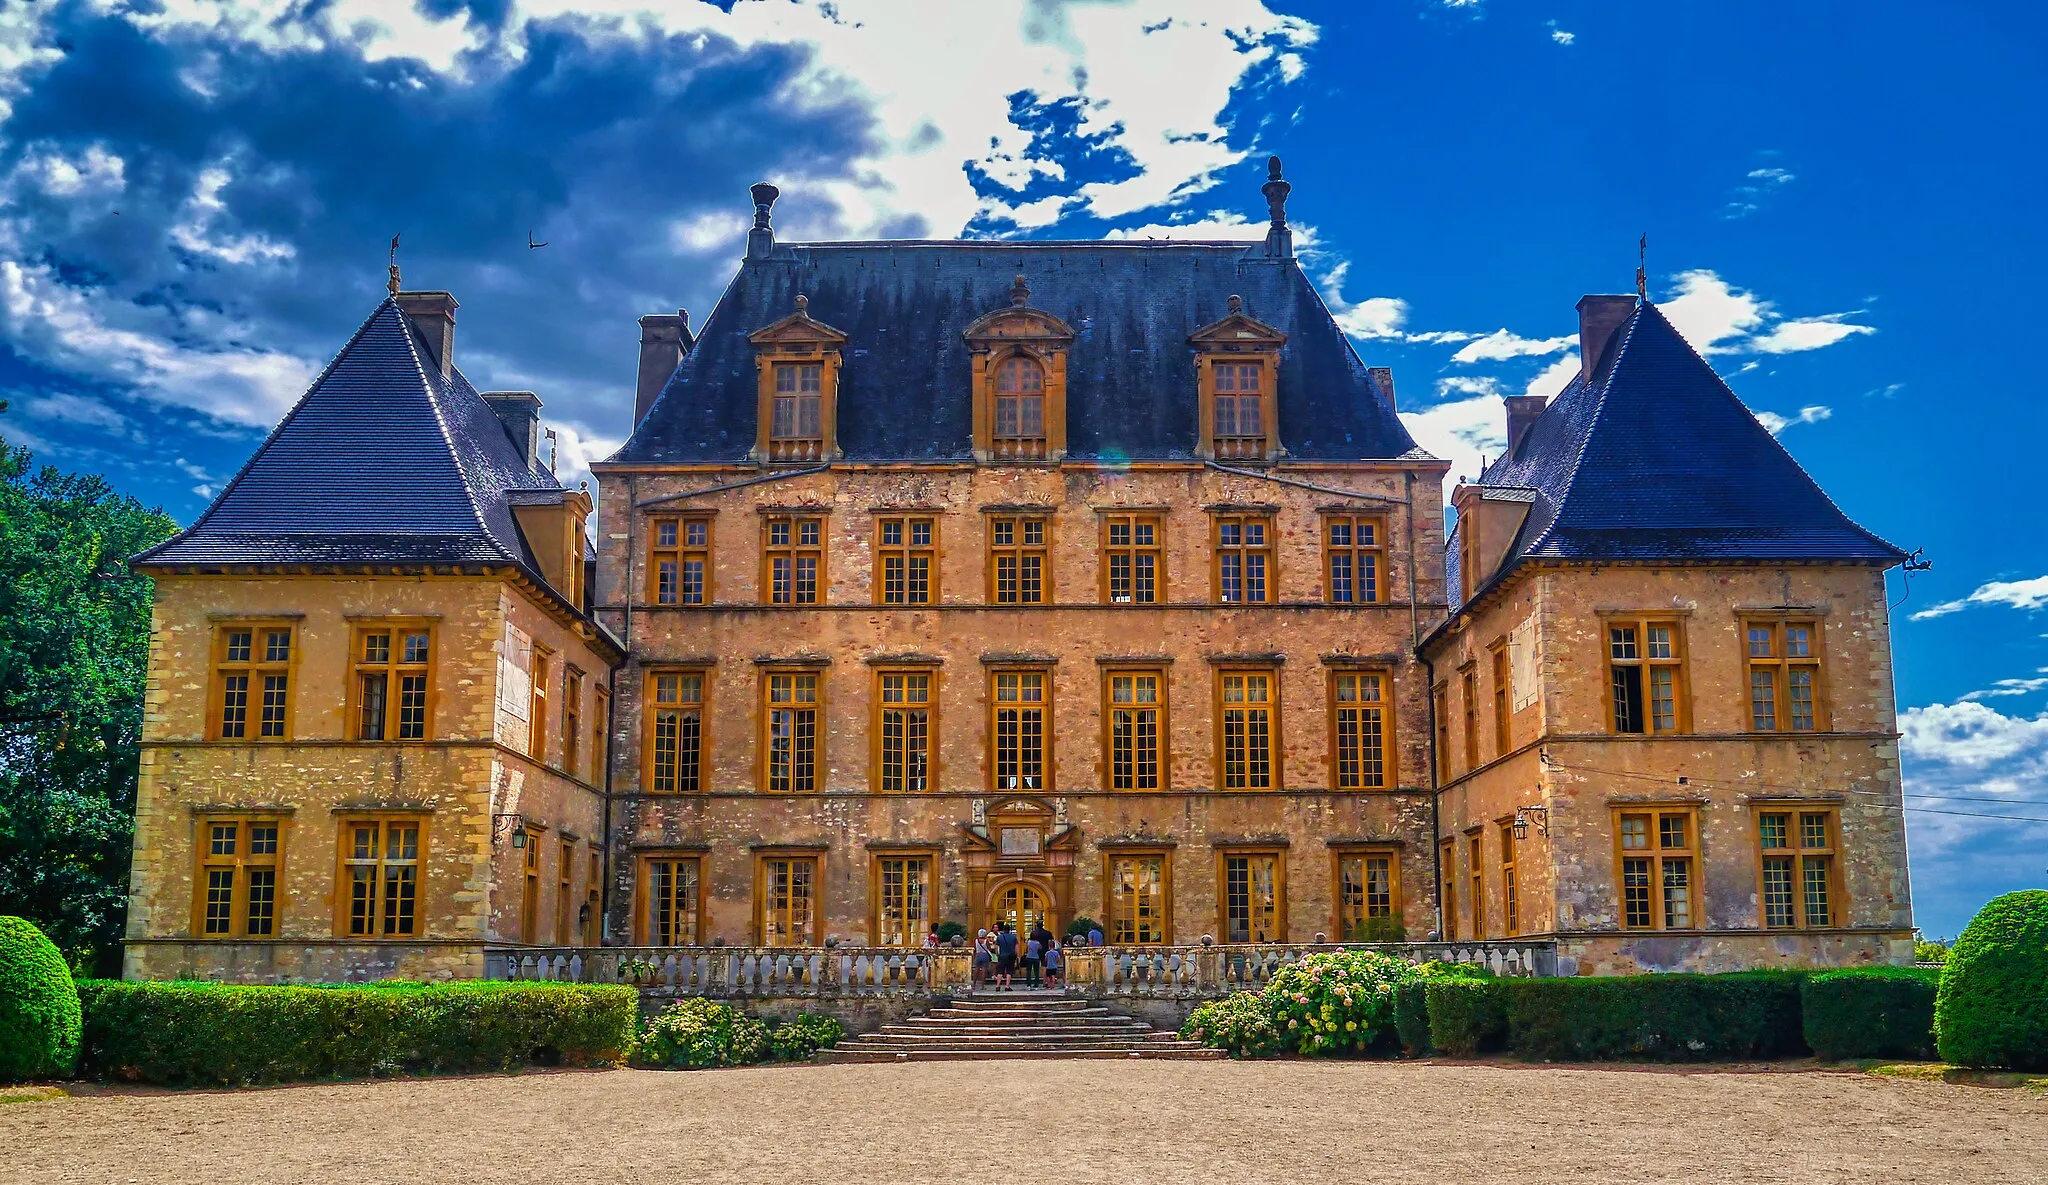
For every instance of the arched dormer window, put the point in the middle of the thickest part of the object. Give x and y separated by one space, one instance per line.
1020 381
797 414
1237 363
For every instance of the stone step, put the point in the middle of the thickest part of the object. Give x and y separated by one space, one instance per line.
955 1017
964 1029
844 1055
980 1042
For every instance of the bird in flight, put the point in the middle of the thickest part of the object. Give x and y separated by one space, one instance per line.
530 244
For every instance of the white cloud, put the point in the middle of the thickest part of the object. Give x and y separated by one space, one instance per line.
1774 176
2019 594
1559 35
1970 734
1719 318
1500 344
1553 378
709 229
2010 687
1224 225
74 409
194 231
1807 333
1463 430
1810 414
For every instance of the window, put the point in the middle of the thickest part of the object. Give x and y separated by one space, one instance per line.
1019 702
391 667
1468 690
793 556
1658 855
903 893
1476 869
593 902
680 563
238 863
787 888
1645 664
1358 729
1784 675
1799 868
906 547
1351 559
1247 721
670 889
797 432
1240 410
1503 718
572 720
1447 889
537 714
1138 898
904 737
252 664
1244 559
380 865
600 732
1366 890
1017 560
1137 757
790 756
1131 559
529 895
1254 897
1018 431
1467 529
1440 707
675 742
565 897
1510 890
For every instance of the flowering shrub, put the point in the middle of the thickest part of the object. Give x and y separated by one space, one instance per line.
1335 1003
695 1034
1241 1023
796 1040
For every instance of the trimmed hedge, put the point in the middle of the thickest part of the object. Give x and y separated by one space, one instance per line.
1741 1016
1466 1016
1411 1018
207 1034
39 1017
1992 1007
1870 1012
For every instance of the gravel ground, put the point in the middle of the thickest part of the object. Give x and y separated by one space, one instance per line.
1096 1121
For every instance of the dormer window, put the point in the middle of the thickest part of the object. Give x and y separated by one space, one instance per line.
1240 415
798 359
1236 362
1020 381
797 432
1019 431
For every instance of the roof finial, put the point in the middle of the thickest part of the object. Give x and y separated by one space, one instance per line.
392 283
1642 259
761 239
1020 291
803 305
1279 240
1234 305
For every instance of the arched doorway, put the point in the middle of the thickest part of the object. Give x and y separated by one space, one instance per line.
1024 906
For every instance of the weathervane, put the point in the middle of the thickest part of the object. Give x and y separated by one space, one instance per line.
392 283
1642 258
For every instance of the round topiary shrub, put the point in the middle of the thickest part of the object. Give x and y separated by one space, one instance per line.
1992 1007
39 1017
699 1034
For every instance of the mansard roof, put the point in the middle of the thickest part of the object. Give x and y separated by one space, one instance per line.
905 385
382 461
1654 458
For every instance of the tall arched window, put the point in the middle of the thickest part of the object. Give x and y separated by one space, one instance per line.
1019 429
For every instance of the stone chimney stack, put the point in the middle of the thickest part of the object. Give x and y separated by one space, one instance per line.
1279 238
1599 317
761 239
664 339
519 412
1384 377
433 314
1523 411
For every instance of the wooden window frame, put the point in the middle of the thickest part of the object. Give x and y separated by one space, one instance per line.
540 673
1388 777
1019 550
1468 699
1447 889
1275 748
1658 855
691 544
1510 879
796 340
1011 332
395 669
762 862
795 550
1267 551
1678 663
1440 707
1503 699
1111 890
1340 920
572 719
1046 726
906 551
593 898
1475 858
878 757
565 891
241 865
1467 528
1239 445
1358 558
256 670
1162 748
529 887
791 442
1224 855
1236 340
693 779
1799 852
766 762
644 900
1019 445
383 821
913 930
1779 666
1132 552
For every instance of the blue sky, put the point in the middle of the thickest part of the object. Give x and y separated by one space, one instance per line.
195 200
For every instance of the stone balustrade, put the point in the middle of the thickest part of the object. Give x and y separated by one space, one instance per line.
1194 971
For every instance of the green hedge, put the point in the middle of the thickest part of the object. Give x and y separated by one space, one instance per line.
204 1034
1992 1008
1870 1012
1411 1018
1741 1016
1466 1016
39 1020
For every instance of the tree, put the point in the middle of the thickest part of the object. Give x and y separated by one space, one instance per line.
74 651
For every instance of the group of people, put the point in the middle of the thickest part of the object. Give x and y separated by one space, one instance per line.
1002 956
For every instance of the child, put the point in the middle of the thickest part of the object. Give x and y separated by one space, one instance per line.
1055 964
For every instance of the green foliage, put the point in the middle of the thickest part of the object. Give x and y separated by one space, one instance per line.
1992 1007
1741 1016
1870 1012
1436 969
698 1034
1079 927
1411 1018
1929 952
39 1019
1381 929
1338 1002
74 648
948 931
796 1040
1240 1023
206 1034
1466 1016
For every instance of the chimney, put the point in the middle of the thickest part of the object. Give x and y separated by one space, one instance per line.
1523 411
433 314
761 239
663 342
519 412
1599 317
1279 239
1383 377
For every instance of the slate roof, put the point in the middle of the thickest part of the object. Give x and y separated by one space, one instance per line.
1655 458
380 462
904 388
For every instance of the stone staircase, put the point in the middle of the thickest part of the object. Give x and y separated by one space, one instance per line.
1019 1024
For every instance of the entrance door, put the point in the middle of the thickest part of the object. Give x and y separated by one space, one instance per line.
1024 908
